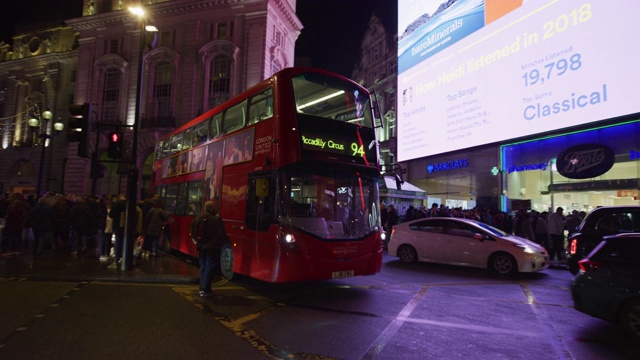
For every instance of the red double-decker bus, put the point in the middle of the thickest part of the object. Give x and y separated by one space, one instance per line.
292 165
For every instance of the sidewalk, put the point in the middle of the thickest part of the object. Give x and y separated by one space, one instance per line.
54 266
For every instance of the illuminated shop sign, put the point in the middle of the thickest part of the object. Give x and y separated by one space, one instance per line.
447 165
527 167
585 161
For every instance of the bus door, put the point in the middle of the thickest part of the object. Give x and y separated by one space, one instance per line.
260 215
260 201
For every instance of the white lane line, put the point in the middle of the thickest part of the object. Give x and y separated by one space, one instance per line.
390 331
548 329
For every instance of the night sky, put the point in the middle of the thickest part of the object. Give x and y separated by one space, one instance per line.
331 37
333 30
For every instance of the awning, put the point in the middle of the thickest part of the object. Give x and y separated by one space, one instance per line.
389 188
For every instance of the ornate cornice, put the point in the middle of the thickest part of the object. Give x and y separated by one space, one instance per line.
175 7
38 61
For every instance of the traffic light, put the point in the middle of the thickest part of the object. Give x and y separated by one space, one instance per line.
79 127
114 150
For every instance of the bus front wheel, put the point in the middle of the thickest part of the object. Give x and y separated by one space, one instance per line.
226 261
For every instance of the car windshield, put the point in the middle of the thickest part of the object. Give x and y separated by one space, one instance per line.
331 206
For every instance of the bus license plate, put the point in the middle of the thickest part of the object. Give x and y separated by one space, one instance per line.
341 274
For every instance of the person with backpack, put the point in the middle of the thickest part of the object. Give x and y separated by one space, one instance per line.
209 234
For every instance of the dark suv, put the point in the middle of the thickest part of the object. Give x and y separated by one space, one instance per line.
600 222
608 285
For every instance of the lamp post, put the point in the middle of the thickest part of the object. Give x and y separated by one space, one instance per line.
132 173
40 129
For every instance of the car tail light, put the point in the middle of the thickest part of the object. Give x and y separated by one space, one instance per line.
590 265
573 246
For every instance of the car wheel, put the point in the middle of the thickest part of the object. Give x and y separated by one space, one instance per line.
503 264
630 317
226 261
407 254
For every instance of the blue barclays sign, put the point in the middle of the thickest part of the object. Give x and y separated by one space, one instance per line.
527 167
634 155
447 165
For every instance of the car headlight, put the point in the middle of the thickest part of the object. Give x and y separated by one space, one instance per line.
527 249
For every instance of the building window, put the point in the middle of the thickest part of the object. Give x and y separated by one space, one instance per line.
222 30
162 90
277 37
394 66
165 39
110 95
36 84
219 80
113 48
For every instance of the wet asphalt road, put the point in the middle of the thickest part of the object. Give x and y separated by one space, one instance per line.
415 311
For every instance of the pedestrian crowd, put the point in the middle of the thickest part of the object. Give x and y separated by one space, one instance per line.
88 225
544 228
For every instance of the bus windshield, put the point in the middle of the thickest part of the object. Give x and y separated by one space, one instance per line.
332 206
332 98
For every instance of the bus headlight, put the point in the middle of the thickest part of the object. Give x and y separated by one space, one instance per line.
289 238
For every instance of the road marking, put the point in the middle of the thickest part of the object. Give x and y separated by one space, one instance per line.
28 323
390 331
559 347
488 329
236 325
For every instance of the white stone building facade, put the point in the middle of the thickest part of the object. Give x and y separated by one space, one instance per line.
203 53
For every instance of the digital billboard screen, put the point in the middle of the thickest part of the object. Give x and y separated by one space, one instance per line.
473 72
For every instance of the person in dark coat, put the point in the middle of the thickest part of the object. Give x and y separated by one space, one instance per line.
148 204
61 223
15 217
156 218
117 214
209 247
40 219
392 219
79 216
383 215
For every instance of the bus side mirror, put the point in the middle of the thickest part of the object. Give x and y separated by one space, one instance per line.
262 187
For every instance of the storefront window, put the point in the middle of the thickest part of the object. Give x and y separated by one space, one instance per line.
531 176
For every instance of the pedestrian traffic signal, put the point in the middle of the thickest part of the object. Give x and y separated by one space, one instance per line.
114 150
79 127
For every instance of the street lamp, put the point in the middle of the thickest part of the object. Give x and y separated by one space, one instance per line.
132 173
41 131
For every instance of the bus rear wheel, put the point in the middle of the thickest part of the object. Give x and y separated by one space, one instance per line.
226 261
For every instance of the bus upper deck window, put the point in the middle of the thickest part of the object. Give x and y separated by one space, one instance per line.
187 140
200 133
215 125
176 143
234 117
261 107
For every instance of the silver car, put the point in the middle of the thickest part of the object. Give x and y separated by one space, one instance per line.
465 242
